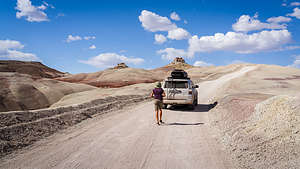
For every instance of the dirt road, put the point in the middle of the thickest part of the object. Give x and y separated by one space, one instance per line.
131 139
209 90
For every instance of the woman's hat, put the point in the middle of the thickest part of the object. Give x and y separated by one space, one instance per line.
158 84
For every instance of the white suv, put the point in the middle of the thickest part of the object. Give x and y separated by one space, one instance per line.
180 89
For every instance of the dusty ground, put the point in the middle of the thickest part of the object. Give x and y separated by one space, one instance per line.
209 73
143 89
262 131
256 115
131 139
19 129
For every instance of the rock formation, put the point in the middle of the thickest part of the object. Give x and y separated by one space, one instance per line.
177 63
178 60
121 66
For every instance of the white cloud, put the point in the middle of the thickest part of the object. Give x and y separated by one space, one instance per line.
32 13
106 60
175 16
89 37
288 48
9 50
202 63
246 23
42 7
10 44
17 55
160 39
279 19
153 22
92 47
185 22
72 38
60 15
51 6
291 47
237 62
296 63
296 13
239 42
171 53
295 4
178 34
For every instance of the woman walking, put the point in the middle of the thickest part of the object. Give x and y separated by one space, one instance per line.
158 94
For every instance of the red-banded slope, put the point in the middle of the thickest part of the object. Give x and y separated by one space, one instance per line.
122 75
34 69
114 77
29 85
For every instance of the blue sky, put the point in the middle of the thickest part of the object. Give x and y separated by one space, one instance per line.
88 36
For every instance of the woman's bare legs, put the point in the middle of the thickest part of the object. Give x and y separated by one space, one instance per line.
157 117
160 115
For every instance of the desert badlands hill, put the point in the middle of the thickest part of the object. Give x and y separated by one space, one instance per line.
30 85
121 75
254 110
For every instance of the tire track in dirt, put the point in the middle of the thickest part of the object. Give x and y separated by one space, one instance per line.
131 139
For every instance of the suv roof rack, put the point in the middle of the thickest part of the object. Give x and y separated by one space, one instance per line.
179 74
171 78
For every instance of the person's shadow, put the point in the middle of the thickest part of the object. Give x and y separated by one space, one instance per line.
182 124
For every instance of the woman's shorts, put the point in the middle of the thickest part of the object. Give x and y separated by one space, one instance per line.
158 104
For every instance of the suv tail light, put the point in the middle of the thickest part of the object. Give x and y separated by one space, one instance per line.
190 92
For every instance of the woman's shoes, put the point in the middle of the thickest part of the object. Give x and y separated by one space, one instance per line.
160 122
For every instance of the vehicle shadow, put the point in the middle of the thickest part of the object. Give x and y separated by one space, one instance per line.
198 108
205 107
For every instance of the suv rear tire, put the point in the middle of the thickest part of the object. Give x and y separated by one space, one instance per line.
165 106
192 106
196 102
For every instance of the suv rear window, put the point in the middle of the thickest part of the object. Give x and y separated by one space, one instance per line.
176 84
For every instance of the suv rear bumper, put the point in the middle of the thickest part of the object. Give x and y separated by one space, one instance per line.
177 101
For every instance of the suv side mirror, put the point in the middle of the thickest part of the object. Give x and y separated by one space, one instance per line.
196 86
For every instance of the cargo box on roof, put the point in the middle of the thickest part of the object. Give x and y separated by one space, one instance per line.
179 74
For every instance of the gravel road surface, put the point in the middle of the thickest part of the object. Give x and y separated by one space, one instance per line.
130 139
